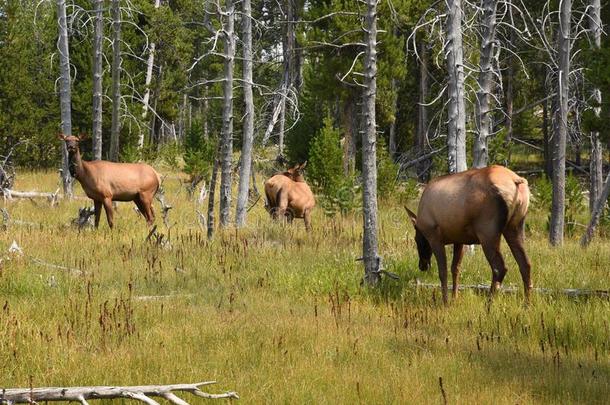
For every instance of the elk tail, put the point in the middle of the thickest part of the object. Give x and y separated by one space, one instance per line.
160 180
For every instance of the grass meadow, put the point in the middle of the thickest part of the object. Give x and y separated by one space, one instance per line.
279 315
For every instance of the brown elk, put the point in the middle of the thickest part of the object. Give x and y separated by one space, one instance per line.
105 182
288 196
477 206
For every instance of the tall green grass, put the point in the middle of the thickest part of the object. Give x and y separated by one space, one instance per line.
280 317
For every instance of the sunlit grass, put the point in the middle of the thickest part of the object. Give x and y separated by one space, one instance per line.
279 315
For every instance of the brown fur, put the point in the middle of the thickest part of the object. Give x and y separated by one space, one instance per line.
473 207
288 196
105 182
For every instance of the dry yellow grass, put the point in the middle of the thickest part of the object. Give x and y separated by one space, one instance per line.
279 316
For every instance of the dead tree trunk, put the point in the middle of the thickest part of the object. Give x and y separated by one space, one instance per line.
456 135
510 96
248 130
212 196
548 161
288 45
369 153
65 95
600 205
226 141
596 159
149 73
483 117
98 40
392 136
350 123
561 126
115 129
423 167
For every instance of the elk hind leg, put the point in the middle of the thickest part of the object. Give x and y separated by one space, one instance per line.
458 254
515 237
491 248
147 209
307 219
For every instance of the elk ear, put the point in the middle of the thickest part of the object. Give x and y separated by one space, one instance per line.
303 165
61 136
412 216
82 136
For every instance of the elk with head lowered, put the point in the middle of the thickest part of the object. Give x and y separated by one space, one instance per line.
288 196
105 182
477 206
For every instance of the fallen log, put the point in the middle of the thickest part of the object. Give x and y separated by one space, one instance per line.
11 194
484 288
82 394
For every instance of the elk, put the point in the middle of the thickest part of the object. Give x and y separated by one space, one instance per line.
288 196
477 206
105 182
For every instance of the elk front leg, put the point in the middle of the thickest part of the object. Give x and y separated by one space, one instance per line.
98 212
109 213
441 261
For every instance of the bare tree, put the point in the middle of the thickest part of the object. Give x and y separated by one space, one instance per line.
98 41
248 131
65 96
483 116
561 125
596 159
116 80
369 153
226 141
149 72
456 136
423 172
600 204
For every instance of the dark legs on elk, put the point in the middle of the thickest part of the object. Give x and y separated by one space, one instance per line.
515 237
98 212
458 254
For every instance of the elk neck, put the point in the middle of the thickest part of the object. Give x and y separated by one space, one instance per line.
75 164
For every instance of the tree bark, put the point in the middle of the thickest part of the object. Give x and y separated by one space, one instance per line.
212 196
600 204
369 154
483 117
350 123
98 40
392 148
423 167
548 161
596 159
288 45
65 96
116 80
456 135
226 145
510 96
561 128
149 72
248 128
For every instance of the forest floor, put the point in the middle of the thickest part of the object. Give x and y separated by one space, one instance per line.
279 315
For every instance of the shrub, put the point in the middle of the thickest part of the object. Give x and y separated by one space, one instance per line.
387 171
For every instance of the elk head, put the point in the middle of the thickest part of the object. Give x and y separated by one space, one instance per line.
71 142
424 250
296 172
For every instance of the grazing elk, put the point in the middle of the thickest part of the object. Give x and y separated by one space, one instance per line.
288 196
105 182
477 206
